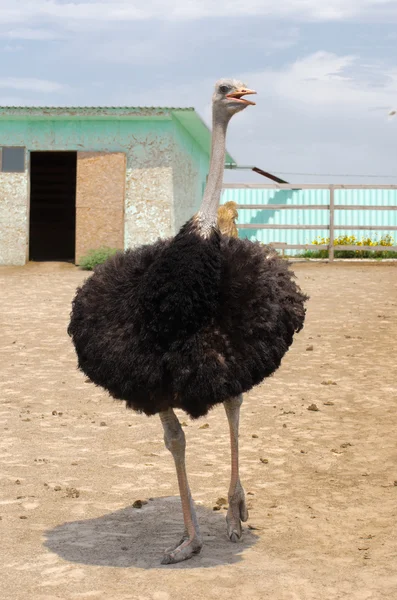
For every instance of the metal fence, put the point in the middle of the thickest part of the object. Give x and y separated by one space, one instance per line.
335 204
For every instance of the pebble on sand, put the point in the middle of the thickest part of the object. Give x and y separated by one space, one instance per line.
139 503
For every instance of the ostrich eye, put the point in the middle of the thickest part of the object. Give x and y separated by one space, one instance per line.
224 89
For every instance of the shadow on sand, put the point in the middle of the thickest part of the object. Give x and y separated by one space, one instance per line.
137 537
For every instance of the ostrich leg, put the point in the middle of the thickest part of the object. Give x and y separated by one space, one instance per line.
174 439
237 508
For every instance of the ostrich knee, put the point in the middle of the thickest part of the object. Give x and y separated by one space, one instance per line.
175 440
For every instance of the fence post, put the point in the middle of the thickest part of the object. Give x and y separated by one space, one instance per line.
331 248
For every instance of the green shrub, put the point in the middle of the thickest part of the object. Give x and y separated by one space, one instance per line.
351 240
96 257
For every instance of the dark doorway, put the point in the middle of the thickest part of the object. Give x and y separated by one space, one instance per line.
52 205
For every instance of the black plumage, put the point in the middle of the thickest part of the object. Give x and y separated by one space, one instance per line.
187 322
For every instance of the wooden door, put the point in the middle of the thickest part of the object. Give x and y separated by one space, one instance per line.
100 196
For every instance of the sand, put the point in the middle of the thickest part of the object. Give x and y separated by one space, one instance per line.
323 499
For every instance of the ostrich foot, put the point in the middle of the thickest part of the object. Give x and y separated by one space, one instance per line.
185 549
236 513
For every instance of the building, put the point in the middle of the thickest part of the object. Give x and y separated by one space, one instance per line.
73 179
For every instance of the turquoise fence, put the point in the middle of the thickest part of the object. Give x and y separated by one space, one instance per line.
321 211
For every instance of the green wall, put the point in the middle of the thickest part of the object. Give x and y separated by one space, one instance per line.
166 169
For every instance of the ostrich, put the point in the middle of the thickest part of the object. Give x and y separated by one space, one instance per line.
227 215
189 323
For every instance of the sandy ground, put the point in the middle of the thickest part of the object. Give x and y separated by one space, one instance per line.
323 503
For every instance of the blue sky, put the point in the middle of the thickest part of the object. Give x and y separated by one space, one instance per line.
325 72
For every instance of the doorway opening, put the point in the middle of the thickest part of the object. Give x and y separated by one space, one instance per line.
52 230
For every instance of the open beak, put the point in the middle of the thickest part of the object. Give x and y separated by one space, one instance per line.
238 95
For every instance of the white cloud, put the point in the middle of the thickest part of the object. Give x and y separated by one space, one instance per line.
30 34
14 101
127 51
324 81
31 84
12 48
91 12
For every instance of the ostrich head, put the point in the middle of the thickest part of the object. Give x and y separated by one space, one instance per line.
228 97
227 100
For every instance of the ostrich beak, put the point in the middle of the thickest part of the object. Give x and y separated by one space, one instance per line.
238 95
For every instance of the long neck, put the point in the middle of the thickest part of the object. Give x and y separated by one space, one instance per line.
209 206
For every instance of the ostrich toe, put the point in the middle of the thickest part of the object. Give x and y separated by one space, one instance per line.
236 513
186 549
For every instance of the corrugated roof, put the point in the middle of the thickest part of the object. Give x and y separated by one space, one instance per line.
89 111
23 107
34 106
186 116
